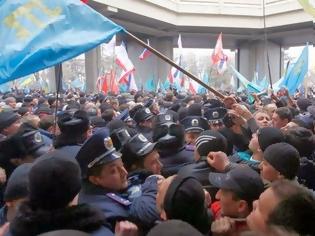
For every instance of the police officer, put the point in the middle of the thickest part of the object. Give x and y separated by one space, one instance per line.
194 125
141 159
75 129
171 144
143 117
23 147
105 184
215 116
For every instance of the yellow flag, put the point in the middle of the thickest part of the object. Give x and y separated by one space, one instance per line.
308 6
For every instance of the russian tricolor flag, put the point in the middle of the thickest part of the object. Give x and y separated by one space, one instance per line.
146 53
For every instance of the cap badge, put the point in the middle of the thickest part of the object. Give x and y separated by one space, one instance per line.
215 114
167 117
142 138
108 143
38 137
194 122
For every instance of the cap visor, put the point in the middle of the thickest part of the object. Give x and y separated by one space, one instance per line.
148 149
110 157
149 117
217 179
223 181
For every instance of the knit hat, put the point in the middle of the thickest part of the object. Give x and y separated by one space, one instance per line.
174 228
17 185
54 182
284 158
184 200
7 118
210 141
269 135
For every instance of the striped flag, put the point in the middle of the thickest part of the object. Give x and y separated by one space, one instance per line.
146 53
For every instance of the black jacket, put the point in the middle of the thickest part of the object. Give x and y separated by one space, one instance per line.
82 217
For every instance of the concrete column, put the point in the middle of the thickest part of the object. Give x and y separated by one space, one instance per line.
253 58
92 60
165 46
51 79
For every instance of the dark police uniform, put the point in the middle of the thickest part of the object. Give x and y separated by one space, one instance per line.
170 138
174 160
141 115
116 206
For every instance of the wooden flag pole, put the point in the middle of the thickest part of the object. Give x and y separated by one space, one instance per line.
172 63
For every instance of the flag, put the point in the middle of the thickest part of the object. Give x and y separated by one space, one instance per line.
232 83
108 49
264 83
107 83
150 85
277 85
123 61
219 59
250 87
77 83
132 86
146 53
35 35
158 86
175 76
193 86
205 79
296 74
308 6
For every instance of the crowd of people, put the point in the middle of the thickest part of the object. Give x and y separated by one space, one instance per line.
145 163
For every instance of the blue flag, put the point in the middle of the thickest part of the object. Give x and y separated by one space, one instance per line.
249 86
296 74
150 85
36 34
205 79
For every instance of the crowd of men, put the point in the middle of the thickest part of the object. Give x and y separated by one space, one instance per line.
145 163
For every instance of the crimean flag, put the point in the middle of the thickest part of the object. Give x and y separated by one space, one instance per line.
35 35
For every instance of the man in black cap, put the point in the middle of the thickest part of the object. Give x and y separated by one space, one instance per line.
139 154
9 123
281 161
75 129
215 117
23 147
105 184
194 125
171 144
143 117
182 197
16 191
238 189
141 159
125 117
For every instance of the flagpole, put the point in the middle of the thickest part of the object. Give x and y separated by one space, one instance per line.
266 45
172 63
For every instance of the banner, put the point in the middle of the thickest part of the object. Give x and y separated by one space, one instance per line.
35 35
